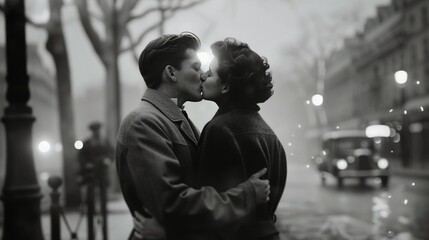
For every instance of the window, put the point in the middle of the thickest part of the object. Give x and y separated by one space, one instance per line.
426 79
425 19
426 49
413 55
411 22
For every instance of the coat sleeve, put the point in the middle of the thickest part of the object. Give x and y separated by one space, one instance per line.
157 174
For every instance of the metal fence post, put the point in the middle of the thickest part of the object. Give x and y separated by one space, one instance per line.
89 167
55 209
103 178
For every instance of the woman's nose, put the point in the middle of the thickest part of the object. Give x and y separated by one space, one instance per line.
203 77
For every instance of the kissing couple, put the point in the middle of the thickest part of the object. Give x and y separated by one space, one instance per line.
224 183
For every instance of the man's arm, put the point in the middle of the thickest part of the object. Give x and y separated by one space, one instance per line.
157 172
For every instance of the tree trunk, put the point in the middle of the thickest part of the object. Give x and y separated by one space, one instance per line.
56 46
113 86
111 65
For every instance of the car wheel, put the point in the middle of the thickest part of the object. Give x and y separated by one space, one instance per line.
339 182
384 181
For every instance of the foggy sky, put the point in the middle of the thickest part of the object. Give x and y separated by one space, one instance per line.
268 26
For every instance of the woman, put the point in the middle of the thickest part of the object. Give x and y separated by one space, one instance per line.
237 141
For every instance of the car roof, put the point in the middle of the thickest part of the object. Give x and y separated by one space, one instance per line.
343 134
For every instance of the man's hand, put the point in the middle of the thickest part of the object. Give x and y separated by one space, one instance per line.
262 187
147 228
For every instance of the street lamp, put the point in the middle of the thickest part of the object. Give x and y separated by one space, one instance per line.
21 192
401 78
317 100
44 146
78 144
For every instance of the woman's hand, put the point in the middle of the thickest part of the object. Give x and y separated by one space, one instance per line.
147 228
262 187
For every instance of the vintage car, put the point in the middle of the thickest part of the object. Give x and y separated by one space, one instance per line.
351 154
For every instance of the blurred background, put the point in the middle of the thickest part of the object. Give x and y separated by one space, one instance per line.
337 65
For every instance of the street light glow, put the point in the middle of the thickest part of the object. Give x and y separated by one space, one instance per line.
401 77
44 176
78 145
317 100
377 131
44 146
205 58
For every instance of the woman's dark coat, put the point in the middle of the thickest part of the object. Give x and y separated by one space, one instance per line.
235 144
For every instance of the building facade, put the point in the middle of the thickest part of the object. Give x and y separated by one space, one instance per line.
361 90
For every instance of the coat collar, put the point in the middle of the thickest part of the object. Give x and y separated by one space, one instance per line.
226 107
165 105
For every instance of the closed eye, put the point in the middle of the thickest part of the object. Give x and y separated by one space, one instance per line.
197 66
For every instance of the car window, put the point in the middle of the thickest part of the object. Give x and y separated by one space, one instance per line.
346 146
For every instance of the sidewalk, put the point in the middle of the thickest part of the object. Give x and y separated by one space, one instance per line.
411 173
119 222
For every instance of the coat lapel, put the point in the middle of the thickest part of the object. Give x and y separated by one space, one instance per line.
164 104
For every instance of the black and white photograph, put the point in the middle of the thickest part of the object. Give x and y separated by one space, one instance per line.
214 119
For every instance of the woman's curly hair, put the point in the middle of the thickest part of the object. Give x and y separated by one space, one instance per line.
244 70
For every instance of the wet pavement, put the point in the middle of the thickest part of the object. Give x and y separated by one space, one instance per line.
309 210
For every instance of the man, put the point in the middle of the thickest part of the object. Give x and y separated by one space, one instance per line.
156 143
96 150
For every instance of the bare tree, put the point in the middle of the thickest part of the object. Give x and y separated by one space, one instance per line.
116 17
321 36
56 46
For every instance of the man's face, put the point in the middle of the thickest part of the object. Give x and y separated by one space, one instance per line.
188 78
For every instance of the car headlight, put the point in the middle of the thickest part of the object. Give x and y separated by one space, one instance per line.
383 163
350 159
342 164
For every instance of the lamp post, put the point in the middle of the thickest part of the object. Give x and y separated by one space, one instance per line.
317 100
401 78
21 192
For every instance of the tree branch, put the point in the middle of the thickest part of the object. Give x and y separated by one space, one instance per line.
96 17
132 43
169 9
126 9
172 10
142 14
93 36
28 20
141 37
104 7
35 24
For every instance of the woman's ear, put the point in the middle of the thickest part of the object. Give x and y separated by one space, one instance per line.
225 88
170 71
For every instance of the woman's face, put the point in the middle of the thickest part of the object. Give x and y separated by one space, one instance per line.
212 86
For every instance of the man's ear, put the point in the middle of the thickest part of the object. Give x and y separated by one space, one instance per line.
170 71
225 88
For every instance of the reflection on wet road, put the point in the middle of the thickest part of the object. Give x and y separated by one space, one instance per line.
309 210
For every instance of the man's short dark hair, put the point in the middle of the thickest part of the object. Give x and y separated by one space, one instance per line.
169 49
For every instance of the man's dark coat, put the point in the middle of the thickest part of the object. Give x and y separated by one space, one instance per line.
154 154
